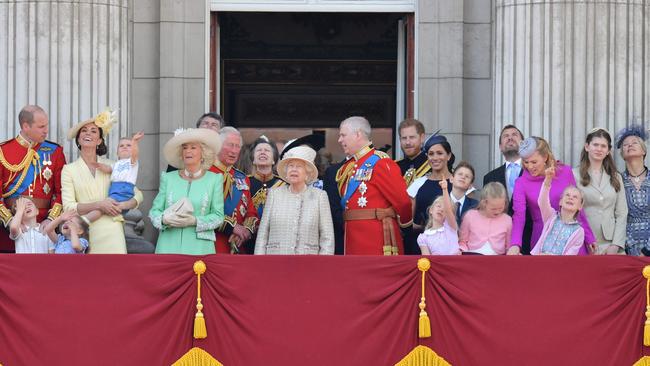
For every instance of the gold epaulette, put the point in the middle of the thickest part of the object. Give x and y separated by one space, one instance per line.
382 154
5 214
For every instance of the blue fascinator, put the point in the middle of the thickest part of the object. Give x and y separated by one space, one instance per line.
527 147
434 139
631 130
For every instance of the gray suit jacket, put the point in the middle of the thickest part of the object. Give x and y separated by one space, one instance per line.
605 208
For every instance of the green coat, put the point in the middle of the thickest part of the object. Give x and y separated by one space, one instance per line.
206 195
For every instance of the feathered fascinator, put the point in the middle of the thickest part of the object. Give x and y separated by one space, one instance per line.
434 139
527 147
631 130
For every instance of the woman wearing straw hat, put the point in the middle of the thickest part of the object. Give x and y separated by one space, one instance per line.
189 204
85 188
296 218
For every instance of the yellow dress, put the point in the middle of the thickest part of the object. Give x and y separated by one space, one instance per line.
78 185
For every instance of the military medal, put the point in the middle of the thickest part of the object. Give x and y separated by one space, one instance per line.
363 188
46 188
242 210
47 173
362 201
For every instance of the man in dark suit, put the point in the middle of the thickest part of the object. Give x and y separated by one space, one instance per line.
507 173
331 188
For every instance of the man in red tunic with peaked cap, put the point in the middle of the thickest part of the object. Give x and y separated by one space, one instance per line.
373 194
30 166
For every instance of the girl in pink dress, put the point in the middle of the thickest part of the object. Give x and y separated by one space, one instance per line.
487 230
562 233
440 235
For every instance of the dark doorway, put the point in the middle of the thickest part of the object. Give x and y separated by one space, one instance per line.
286 74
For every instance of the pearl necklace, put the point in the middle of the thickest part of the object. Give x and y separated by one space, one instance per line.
192 175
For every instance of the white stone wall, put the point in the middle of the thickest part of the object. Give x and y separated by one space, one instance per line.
168 81
564 67
71 58
455 76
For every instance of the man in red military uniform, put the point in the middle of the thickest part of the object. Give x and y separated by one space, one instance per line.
373 194
30 166
240 215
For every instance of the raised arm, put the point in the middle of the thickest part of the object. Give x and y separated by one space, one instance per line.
135 149
16 222
450 214
543 200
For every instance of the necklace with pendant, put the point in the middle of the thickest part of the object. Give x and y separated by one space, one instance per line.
638 178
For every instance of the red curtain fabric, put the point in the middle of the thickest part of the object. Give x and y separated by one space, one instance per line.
281 310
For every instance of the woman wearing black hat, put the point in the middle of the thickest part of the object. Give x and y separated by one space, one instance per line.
441 160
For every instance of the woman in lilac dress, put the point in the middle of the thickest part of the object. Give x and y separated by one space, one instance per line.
537 156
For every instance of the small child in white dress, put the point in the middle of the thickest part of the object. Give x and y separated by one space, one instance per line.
24 229
124 174
440 236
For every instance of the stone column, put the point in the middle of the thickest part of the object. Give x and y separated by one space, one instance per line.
71 58
564 67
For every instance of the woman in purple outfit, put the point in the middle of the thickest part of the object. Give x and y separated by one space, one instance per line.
537 156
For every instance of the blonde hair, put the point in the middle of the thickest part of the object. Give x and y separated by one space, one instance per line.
430 218
582 198
544 149
493 190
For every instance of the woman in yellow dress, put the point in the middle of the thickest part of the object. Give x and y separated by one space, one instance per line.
85 188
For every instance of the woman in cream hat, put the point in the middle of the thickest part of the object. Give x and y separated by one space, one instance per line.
296 218
189 204
84 187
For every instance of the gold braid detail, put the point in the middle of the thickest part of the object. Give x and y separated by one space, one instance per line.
20 166
35 159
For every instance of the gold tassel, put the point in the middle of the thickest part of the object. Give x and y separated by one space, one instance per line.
199 320
424 329
423 356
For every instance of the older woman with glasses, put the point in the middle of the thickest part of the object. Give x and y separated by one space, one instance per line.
296 218
632 143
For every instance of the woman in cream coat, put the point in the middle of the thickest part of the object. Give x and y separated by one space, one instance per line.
603 192
296 218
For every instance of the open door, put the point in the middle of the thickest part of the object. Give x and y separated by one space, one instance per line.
405 88
214 63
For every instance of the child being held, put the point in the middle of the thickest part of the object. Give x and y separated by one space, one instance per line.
461 181
124 174
440 236
562 233
487 229
24 230
73 233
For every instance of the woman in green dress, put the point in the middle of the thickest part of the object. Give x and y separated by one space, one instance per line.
189 204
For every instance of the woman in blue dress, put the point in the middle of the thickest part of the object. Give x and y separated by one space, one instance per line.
631 142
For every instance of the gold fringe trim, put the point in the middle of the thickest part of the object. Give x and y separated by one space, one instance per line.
424 324
197 357
200 330
423 356
644 361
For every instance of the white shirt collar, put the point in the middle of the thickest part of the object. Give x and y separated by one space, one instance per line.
461 200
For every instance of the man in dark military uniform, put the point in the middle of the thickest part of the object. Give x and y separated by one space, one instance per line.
411 137
30 166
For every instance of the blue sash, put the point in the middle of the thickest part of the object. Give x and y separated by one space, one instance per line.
230 203
354 183
46 148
